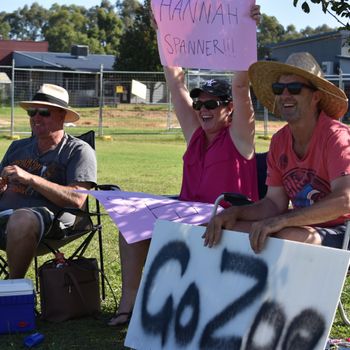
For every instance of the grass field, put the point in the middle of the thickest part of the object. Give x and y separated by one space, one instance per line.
153 164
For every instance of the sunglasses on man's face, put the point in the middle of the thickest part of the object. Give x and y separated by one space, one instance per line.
43 112
293 88
209 104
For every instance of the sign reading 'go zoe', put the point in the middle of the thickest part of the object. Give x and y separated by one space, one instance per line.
192 297
212 34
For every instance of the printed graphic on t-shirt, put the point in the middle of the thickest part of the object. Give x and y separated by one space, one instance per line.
51 172
304 187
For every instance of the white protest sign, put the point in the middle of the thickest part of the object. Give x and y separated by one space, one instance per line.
227 297
212 34
138 89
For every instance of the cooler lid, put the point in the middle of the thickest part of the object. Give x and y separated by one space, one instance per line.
22 286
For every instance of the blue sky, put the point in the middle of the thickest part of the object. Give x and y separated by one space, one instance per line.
283 10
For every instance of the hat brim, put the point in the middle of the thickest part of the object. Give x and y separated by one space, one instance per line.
194 93
263 74
70 117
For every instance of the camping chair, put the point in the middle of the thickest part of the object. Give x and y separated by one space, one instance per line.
346 288
87 224
240 199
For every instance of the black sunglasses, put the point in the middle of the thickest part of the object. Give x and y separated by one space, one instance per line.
43 112
293 88
209 104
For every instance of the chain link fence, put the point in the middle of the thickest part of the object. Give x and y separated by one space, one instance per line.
108 101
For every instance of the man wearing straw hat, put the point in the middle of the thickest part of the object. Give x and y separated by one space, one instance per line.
38 177
308 161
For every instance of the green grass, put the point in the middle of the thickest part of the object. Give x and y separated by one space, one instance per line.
153 164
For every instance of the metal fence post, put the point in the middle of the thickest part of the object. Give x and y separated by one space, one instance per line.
266 119
341 83
12 129
100 119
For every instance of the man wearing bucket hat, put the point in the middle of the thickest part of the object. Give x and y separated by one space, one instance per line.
308 161
38 177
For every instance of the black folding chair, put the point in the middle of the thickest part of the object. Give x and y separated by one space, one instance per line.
343 307
87 224
240 199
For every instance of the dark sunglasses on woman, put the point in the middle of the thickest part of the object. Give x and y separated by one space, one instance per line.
43 112
209 104
293 88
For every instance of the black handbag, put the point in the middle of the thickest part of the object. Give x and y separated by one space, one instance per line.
70 290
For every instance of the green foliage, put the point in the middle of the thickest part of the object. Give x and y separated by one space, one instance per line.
26 23
138 49
98 27
4 26
340 9
127 11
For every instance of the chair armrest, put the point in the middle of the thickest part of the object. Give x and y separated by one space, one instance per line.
171 196
107 187
74 211
236 199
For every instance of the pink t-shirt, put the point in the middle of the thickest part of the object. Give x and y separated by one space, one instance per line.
308 180
208 172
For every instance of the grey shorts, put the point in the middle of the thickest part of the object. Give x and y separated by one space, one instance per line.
48 227
332 236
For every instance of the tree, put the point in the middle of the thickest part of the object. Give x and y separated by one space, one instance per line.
67 26
98 27
138 49
127 11
336 8
270 31
105 25
26 23
4 27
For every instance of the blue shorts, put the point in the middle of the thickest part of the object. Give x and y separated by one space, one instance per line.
332 236
48 227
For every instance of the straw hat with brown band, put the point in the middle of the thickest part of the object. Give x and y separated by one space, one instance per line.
264 73
52 95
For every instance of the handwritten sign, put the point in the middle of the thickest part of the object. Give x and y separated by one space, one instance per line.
227 297
212 34
135 212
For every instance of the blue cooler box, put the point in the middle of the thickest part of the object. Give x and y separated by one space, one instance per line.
16 306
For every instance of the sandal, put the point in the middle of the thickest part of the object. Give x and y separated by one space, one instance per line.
113 323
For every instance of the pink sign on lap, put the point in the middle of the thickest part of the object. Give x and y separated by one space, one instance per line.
135 212
209 34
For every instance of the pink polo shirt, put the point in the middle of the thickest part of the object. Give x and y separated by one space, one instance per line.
208 172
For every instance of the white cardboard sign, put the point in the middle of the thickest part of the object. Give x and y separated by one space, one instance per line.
227 297
138 89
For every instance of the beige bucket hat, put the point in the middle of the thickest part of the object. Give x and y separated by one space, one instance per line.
52 95
263 74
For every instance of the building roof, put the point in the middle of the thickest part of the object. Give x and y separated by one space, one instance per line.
316 37
63 60
8 46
